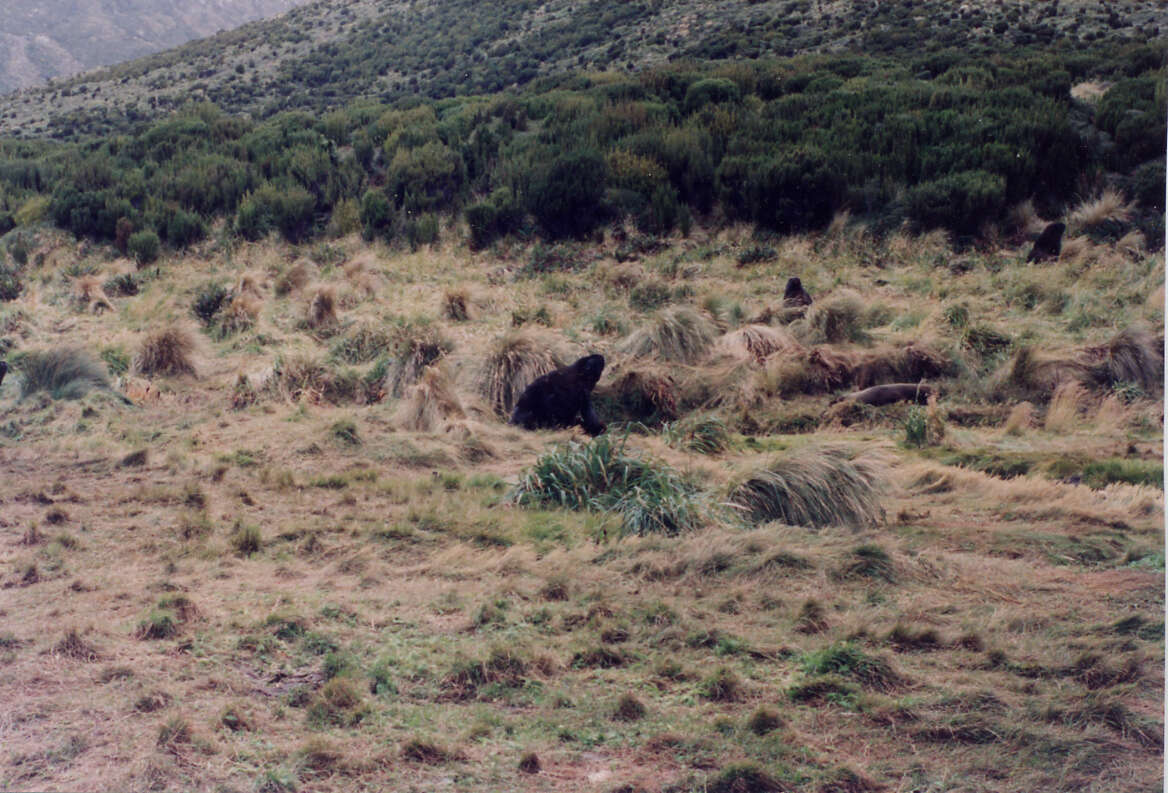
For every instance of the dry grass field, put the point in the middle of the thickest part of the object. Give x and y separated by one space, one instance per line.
308 556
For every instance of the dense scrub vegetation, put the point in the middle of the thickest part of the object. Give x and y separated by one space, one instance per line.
943 141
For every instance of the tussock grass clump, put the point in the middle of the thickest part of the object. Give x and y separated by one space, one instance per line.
869 561
430 403
601 476
361 343
174 734
246 539
1063 413
628 708
838 318
90 295
847 780
529 763
73 646
10 283
1131 356
504 668
764 720
322 308
722 686
819 370
318 757
241 315
419 750
338 704
847 660
908 364
168 352
701 433
302 377
160 624
457 305
295 277
1021 418
756 342
744 778
1109 207
813 487
906 638
811 618
681 334
416 346
250 284
511 364
67 373
644 391
208 301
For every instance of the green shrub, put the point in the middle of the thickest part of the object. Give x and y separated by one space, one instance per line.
916 427
144 246
425 178
567 198
10 285
376 215
600 476
182 228
208 300
421 230
961 201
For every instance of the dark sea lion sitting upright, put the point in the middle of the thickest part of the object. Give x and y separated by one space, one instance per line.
890 393
795 295
1049 243
562 398
3 370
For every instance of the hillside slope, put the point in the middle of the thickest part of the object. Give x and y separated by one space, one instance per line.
327 54
40 41
298 571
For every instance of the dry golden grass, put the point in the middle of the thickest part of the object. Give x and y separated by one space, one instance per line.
322 307
1066 405
457 305
680 334
401 623
90 295
431 403
512 363
755 342
242 313
1021 419
296 277
1109 206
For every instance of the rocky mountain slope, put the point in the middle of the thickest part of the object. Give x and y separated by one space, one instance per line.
40 41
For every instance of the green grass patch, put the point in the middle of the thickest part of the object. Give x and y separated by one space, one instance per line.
602 476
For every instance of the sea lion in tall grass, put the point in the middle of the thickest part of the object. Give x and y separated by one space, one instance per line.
562 398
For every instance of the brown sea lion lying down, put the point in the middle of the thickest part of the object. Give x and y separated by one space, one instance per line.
890 393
